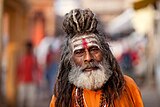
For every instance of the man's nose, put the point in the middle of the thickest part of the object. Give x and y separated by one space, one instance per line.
88 57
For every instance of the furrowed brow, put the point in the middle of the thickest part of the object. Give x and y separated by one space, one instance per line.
83 36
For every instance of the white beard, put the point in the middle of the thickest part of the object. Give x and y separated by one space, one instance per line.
90 80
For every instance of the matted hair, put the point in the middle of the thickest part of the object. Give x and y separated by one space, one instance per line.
79 21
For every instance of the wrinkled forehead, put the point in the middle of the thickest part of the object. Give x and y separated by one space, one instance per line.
84 41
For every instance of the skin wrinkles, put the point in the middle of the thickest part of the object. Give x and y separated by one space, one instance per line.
86 54
88 42
83 41
92 36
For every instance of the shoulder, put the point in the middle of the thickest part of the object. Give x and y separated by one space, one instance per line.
54 97
130 83
128 79
52 102
131 91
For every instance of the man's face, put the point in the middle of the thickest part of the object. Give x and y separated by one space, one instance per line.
86 50
89 69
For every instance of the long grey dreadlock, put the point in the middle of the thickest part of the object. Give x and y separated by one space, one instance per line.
79 22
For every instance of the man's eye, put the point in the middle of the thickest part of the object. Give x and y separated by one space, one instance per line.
94 49
79 52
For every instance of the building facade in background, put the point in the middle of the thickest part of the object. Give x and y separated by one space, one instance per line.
22 20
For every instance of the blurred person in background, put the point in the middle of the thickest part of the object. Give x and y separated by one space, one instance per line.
27 77
127 61
51 68
89 75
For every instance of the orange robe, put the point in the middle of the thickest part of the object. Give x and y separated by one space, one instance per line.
130 97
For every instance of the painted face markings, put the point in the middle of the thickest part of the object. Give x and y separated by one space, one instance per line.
84 41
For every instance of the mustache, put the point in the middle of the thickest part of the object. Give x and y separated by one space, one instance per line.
90 65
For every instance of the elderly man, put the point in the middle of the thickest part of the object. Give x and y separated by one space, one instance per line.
89 75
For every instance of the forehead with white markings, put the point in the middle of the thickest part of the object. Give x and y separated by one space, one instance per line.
84 41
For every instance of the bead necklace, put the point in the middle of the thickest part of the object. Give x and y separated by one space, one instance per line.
77 96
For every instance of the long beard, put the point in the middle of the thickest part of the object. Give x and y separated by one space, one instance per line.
92 80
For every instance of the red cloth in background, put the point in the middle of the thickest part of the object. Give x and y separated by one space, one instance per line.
27 69
135 57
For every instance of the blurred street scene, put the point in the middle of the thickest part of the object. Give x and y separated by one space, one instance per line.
31 36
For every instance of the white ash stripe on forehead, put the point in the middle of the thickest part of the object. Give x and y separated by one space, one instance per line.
81 47
88 40
78 42
88 37
94 42
83 36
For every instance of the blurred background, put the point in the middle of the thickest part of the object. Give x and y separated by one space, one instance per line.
31 38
